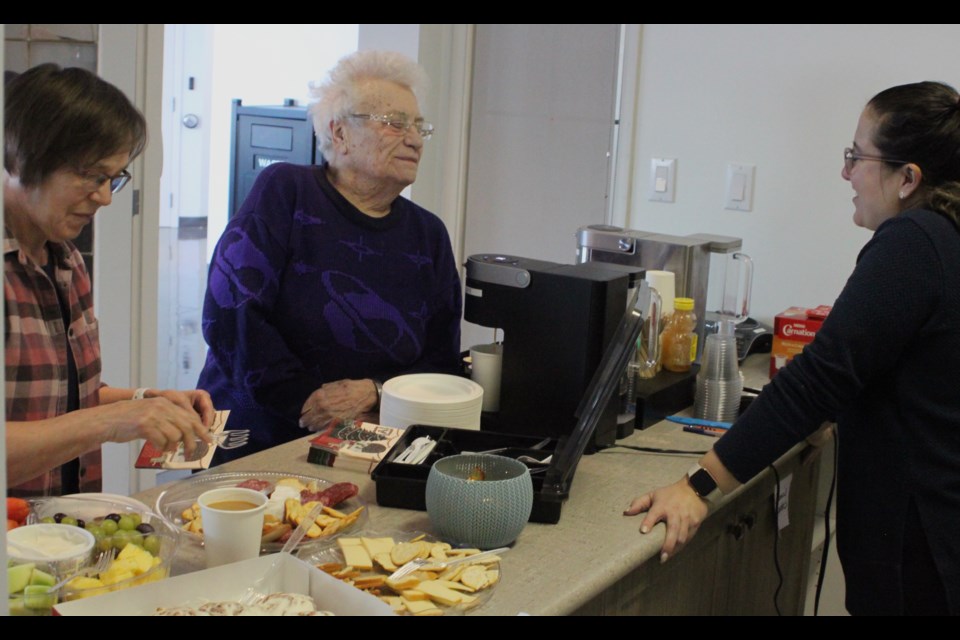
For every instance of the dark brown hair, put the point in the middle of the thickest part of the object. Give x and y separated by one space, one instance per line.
920 123
55 118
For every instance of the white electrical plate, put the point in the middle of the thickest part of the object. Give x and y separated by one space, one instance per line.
663 176
739 196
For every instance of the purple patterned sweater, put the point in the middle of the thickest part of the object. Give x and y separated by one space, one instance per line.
305 289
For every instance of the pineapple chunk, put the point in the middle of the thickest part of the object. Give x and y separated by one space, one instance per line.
83 582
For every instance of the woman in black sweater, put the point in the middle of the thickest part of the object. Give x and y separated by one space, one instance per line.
884 364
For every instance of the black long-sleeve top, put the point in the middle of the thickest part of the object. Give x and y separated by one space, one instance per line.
886 365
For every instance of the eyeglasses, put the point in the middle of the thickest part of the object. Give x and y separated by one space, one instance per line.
94 181
399 122
850 158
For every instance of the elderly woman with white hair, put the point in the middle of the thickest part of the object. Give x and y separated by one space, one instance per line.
327 282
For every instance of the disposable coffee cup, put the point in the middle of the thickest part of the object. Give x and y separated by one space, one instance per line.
487 363
665 284
232 524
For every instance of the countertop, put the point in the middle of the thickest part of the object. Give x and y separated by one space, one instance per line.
552 569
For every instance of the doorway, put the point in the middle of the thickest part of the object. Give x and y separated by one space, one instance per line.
206 67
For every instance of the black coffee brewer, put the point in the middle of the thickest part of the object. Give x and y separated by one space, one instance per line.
557 322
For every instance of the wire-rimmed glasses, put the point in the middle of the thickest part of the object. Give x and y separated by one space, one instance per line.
399 122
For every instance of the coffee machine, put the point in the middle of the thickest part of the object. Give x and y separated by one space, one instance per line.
557 321
688 257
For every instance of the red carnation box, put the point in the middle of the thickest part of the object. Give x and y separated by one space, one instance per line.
793 329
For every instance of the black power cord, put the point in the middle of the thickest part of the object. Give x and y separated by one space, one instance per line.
826 543
650 450
776 539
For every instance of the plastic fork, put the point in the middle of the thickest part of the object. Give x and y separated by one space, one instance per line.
98 567
232 438
417 563
254 592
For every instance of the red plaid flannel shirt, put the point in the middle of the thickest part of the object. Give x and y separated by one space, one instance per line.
36 355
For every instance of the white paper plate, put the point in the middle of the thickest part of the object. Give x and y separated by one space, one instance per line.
433 389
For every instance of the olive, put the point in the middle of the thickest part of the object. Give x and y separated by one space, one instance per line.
57 517
145 528
81 523
113 516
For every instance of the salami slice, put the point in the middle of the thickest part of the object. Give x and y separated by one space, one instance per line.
339 492
256 485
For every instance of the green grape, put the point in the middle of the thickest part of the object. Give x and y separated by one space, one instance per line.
109 527
68 520
135 537
120 539
152 544
105 543
137 519
126 523
96 530
48 520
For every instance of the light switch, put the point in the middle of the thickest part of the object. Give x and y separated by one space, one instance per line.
663 174
661 181
739 186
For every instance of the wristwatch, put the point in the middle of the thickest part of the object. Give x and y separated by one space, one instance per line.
703 484
379 386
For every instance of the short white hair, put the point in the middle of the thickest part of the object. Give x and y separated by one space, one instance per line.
335 97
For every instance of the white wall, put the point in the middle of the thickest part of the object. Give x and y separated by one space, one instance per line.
262 64
402 38
785 98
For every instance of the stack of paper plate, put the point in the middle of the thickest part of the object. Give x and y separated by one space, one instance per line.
431 398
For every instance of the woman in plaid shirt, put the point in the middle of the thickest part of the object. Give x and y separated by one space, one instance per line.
69 137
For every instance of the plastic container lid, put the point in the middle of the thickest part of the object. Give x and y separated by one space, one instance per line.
683 304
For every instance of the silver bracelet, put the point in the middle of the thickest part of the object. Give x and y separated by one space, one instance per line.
139 394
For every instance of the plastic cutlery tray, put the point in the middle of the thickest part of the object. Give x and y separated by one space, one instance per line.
404 485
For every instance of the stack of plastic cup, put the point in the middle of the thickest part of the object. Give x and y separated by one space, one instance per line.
719 383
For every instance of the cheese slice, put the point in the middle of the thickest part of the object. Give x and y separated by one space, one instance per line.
383 559
396 603
354 554
439 593
422 608
376 546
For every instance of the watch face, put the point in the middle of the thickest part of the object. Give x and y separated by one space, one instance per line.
702 483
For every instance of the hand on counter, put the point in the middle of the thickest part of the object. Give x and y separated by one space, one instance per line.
343 399
678 507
